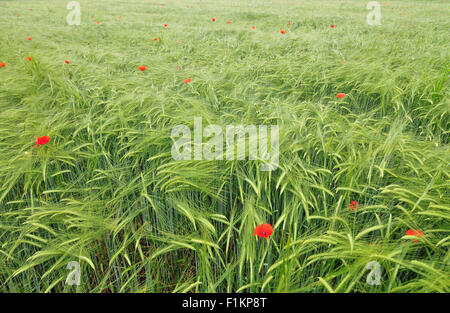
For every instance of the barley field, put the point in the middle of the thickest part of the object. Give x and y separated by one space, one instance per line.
359 200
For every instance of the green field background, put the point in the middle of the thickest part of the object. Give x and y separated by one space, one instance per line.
106 192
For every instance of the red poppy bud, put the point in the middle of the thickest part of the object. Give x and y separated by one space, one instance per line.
353 205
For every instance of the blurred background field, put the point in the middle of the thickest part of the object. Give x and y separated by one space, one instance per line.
105 191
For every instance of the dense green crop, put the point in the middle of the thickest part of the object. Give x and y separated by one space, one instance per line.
106 192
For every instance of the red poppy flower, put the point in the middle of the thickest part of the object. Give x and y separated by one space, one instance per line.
416 233
213 19
40 141
340 95
253 27
29 58
29 38
263 230
187 80
2 64
332 26
98 22
283 31
353 205
155 39
142 67
165 25
228 22
67 62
